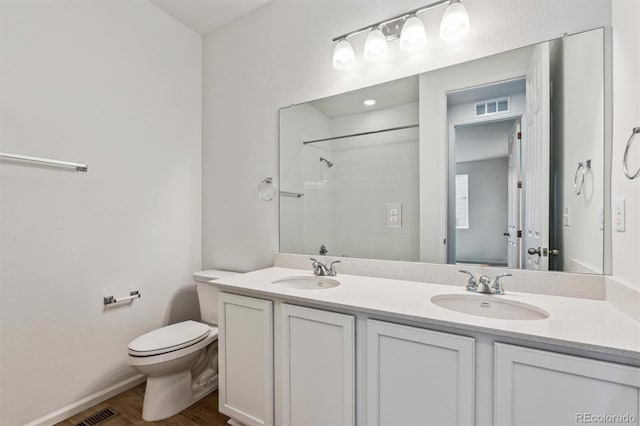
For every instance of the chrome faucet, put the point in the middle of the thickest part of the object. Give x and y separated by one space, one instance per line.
483 284
497 285
323 270
472 285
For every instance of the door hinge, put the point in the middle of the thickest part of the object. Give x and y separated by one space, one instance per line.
519 184
519 135
519 234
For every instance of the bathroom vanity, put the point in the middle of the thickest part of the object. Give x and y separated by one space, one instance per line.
296 349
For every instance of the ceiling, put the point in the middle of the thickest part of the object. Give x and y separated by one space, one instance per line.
483 141
204 16
387 95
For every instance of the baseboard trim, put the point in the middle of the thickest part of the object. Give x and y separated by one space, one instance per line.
87 402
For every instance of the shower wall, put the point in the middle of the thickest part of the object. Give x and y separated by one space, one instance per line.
371 172
345 206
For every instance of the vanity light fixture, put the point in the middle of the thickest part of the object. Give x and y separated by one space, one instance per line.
455 21
343 55
369 102
413 36
407 27
376 48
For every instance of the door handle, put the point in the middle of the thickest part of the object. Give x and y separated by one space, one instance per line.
537 251
554 252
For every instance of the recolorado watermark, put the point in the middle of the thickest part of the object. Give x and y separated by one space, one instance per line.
590 418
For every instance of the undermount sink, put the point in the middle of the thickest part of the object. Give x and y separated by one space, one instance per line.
307 282
489 306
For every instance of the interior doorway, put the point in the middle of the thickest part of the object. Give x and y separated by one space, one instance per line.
485 202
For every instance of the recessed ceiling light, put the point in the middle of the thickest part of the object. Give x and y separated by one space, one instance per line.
369 102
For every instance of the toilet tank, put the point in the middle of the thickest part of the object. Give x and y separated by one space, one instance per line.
208 294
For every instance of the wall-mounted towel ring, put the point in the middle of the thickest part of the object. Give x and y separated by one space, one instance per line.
625 159
267 189
578 178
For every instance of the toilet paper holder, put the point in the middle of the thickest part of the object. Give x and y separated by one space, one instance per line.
112 299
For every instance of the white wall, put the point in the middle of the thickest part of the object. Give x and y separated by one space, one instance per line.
344 206
467 111
303 220
368 173
482 141
577 68
280 54
626 115
117 85
483 241
433 138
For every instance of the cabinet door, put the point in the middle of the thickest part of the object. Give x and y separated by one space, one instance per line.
534 387
418 377
318 367
246 359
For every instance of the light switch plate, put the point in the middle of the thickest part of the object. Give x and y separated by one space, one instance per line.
601 217
566 217
619 214
394 215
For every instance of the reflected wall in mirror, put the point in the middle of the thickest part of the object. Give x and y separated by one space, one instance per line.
497 162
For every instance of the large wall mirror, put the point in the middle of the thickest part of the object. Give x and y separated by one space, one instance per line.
498 162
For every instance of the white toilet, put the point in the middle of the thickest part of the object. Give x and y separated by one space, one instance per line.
180 360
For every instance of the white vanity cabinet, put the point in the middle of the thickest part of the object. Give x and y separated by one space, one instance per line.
317 370
294 365
535 387
245 357
418 377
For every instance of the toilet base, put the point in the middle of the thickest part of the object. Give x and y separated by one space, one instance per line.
166 396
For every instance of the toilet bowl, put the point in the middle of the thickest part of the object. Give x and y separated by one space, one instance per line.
180 360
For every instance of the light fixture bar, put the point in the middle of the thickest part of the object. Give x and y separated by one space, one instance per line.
402 15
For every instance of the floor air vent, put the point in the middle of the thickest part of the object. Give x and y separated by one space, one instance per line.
99 418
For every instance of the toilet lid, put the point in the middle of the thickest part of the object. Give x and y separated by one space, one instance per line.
169 338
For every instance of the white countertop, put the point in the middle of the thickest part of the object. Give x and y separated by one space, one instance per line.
583 324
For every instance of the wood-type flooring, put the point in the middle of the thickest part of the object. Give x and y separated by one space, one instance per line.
129 405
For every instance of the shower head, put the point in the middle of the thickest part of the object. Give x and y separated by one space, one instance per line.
329 163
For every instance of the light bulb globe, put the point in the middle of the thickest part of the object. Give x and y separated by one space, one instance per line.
343 55
375 47
413 36
455 21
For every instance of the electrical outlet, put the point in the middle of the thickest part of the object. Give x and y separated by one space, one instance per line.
619 214
394 215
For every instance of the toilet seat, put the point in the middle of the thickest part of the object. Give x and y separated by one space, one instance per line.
169 339
211 336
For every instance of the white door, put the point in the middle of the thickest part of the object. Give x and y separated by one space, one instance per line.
535 161
513 224
418 377
246 359
534 387
317 379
